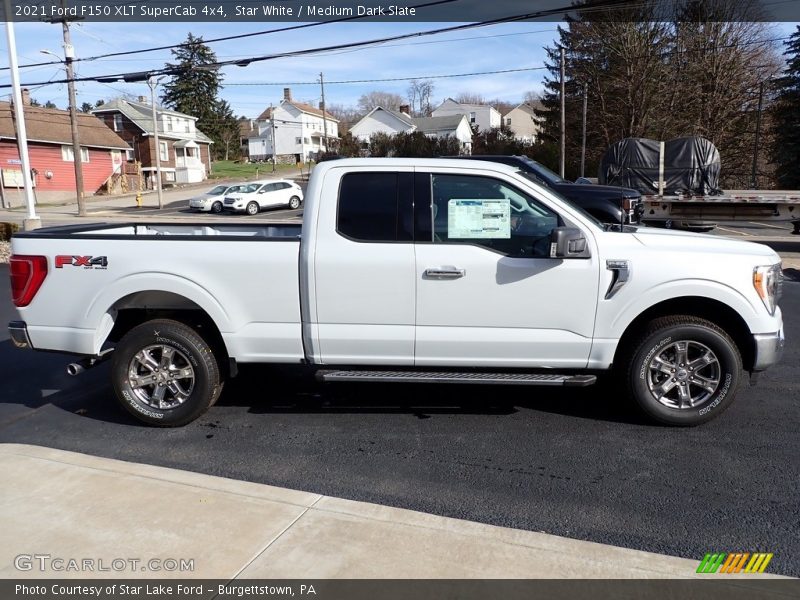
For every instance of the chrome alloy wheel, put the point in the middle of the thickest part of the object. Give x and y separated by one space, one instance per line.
684 374
161 376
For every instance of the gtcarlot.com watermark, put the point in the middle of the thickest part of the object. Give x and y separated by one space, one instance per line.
47 563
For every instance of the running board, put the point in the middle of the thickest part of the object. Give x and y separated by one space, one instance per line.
544 379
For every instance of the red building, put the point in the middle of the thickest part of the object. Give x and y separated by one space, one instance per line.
51 156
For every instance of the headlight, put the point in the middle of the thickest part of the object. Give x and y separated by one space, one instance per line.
768 281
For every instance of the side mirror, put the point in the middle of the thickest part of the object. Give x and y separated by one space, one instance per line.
262 190
568 242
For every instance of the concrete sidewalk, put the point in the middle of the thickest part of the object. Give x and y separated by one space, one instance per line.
74 506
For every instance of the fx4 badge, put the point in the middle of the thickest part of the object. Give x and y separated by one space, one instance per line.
87 262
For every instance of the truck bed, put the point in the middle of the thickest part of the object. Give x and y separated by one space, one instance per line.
222 231
249 289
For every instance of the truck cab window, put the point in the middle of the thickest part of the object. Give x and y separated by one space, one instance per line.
487 212
376 207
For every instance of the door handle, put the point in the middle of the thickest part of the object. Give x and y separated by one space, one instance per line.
444 273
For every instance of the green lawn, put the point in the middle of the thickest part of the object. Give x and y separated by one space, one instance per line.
228 169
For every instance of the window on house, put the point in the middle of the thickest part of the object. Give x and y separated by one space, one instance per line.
306 140
186 127
117 122
298 140
129 155
508 121
163 151
69 156
169 124
472 117
168 176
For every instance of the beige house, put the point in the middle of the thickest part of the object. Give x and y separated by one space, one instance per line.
522 120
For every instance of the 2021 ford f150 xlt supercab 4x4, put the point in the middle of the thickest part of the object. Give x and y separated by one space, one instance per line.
429 270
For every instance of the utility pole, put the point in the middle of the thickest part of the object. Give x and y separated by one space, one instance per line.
153 82
754 174
324 118
274 142
69 55
563 118
583 139
32 222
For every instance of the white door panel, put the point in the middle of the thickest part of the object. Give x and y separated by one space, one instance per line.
365 292
504 311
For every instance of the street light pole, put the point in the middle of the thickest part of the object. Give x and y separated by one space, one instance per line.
562 145
754 174
32 222
153 82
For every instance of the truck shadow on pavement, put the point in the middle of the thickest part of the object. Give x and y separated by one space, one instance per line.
31 381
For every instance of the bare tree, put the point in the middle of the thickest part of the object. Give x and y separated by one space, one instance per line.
375 98
470 98
420 96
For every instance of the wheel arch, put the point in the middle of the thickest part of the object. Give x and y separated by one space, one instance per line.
709 309
142 306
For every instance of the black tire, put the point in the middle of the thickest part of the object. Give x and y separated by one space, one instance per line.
696 365
216 208
175 359
252 208
294 202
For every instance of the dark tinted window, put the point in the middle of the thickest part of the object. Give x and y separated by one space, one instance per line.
373 207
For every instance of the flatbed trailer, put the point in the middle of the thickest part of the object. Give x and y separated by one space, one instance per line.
702 212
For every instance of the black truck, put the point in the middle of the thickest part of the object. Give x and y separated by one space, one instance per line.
606 203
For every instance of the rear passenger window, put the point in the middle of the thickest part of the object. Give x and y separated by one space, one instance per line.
375 207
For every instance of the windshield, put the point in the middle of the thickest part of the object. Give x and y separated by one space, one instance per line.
564 199
542 172
220 189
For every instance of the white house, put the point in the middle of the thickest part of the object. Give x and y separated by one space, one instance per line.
523 122
300 131
391 122
485 117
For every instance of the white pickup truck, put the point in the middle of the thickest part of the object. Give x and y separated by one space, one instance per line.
405 270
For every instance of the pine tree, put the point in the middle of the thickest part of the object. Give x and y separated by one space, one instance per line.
193 90
786 119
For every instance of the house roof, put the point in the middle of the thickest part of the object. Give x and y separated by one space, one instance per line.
51 125
142 116
464 105
437 124
266 115
527 108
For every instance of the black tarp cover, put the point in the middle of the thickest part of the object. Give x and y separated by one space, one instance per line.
691 166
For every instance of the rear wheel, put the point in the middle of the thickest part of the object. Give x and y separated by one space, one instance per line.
252 208
165 374
294 202
683 370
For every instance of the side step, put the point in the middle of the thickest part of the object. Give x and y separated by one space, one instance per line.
544 379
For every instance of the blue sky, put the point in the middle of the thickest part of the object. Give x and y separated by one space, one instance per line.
504 46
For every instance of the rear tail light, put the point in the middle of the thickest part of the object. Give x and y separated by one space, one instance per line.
27 276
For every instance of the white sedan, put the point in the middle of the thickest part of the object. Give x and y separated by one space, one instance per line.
265 194
212 199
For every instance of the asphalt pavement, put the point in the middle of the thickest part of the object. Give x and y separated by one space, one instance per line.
573 463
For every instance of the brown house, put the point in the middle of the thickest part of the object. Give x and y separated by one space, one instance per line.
185 151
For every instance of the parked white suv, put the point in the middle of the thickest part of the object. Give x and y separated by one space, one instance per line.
265 194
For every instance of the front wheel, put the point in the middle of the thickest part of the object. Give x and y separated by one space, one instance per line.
252 208
683 370
165 374
294 202
216 208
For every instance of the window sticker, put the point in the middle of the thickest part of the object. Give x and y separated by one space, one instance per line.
479 219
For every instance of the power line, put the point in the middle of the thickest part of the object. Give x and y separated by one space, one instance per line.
143 75
385 79
225 38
